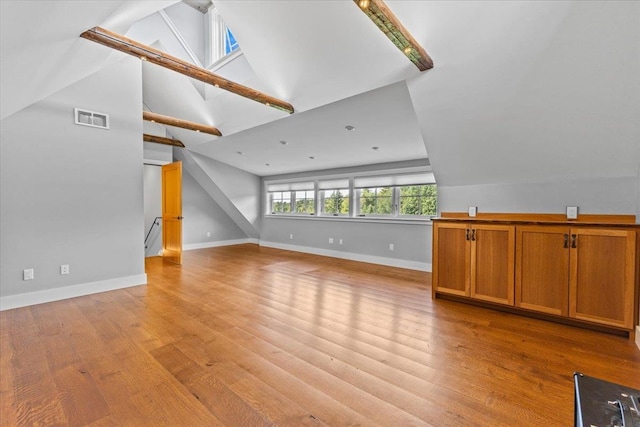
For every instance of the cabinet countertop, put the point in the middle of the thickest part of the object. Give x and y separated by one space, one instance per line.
532 221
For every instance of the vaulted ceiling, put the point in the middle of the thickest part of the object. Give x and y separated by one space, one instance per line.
521 91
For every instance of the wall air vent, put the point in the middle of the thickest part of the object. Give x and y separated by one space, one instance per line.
91 118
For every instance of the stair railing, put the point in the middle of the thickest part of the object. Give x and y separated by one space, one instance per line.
155 222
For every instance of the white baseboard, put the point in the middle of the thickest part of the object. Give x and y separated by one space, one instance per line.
65 292
219 243
391 262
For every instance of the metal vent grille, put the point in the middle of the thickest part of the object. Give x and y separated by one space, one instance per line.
91 118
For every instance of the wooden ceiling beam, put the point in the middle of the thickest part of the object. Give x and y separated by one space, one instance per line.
185 124
391 26
155 56
162 140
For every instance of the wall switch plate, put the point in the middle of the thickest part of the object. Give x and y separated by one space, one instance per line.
27 274
572 212
473 210
391 247
331 240
64 269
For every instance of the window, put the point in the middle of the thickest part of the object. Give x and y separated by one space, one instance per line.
375 201
221 41
335 202
406 196
230 43
280 202
335 197
418 200
291 198
305 202
410 195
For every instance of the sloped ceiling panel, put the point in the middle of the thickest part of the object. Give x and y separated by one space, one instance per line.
554 96
41 51
314 52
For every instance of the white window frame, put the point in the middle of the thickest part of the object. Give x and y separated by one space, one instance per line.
353 184
330 185
292 188
216 40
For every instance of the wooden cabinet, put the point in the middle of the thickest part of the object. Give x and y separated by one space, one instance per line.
542 269
583 273
586 272
451 259
475 261
602 280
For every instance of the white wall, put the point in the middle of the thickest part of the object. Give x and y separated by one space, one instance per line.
237 192
203 215
592 196
73 194
638 198
363 239
366 241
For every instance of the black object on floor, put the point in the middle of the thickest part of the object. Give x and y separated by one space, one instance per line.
604 404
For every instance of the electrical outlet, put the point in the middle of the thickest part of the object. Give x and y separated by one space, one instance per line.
391 247
572 212
331 240
290 236
64 269
27 274
208 234
473 210
340 241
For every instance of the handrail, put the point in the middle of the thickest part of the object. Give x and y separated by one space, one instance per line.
155 222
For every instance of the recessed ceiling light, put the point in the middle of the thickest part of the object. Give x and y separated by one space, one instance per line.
240 153
375 148
284 143
350 128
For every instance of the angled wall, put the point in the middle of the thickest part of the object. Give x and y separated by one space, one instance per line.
73 194
563 130
237 192
205 223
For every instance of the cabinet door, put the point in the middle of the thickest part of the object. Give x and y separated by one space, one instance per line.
492 263
602 276
450 259
542 269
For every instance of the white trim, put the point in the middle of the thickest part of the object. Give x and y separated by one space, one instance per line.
391 262
638 336
153 162
370 219
219 243
65 292
181 40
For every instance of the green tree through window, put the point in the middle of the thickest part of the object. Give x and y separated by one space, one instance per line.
336 202
376 201
418 200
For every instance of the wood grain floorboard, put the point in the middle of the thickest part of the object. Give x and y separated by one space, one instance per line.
251 336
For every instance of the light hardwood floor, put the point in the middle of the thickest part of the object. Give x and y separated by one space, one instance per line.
250 336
